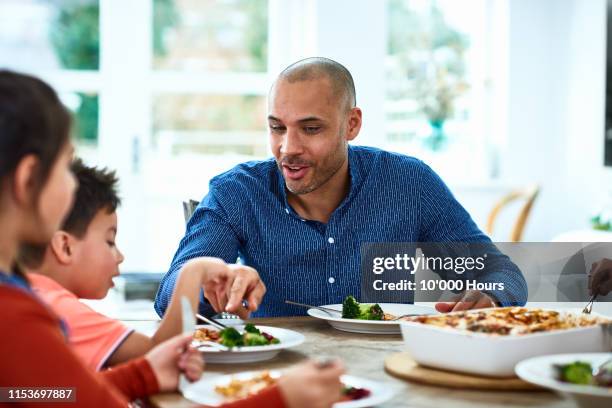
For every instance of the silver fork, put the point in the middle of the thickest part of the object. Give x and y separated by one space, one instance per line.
230 316
327 310
589 306
405 315
226 316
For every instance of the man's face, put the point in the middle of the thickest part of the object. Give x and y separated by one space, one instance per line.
96 257
308 132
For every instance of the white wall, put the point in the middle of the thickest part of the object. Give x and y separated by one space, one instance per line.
587 178
353 32
556 85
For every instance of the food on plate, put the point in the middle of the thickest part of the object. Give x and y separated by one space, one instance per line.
509 320
354 393
230 337
205 334
603 374
238 389
581 373
352 309
577 372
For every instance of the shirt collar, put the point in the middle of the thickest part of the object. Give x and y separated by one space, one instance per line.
14 280
356 173
47 284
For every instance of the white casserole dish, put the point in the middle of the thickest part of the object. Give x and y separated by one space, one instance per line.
496 355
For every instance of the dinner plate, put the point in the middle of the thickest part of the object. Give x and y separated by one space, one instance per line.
203 391
251 354
540 371
370 326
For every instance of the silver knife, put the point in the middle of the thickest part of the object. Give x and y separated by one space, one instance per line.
189 324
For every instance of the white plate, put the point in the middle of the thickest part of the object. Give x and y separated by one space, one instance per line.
540 371
287 338
203 391
370 326
490 355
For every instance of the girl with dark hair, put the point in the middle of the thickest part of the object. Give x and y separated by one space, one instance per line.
36 193
36 189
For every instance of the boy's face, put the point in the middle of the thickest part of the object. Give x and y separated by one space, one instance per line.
96 257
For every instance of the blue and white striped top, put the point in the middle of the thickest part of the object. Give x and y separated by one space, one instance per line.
392 198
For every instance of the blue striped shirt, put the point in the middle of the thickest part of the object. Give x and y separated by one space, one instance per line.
392 198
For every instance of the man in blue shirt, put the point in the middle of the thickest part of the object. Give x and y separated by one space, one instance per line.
301 217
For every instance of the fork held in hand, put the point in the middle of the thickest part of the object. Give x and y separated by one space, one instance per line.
589 306
228 315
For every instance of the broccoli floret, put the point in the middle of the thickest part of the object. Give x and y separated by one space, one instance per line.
350 308
250 328
371 312
231 337
253 339
575 373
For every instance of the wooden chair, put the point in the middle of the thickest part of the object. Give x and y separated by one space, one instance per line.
528 194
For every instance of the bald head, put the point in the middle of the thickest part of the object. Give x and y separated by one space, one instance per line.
323 68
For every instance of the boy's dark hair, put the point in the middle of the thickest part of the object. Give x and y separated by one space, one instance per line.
97 191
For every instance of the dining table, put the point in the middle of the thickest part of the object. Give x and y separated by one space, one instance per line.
363 356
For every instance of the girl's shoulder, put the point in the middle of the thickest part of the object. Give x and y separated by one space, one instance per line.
21 310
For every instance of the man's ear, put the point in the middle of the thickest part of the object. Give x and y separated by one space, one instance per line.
62 247
23 181
354 124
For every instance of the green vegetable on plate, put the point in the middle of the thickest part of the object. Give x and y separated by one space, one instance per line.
230 337
577 372
352 309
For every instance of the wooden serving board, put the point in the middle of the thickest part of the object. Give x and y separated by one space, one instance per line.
403 366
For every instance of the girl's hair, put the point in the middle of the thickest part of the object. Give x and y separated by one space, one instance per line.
32 121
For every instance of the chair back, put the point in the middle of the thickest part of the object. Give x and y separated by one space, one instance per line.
189 208
528 194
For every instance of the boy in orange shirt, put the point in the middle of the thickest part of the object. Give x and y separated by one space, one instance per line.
82 259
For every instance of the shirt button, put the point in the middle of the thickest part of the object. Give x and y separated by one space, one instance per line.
287 210
330 240
331 280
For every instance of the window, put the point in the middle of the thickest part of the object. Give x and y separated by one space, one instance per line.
173 92
204 38
210 35
439 84
42 37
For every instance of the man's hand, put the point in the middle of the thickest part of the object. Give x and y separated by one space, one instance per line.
600 277
472 299
227 285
